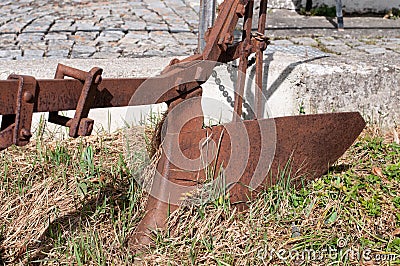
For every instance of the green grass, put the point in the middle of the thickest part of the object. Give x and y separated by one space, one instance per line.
323 10
76 202
393 13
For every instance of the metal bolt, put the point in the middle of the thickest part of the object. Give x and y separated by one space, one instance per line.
174 61
25 134
28 97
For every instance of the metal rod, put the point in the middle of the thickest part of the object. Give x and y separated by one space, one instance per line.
339 15
224 24
60 95
206 20
259 61
242 69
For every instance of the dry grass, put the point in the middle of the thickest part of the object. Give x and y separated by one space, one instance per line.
76 201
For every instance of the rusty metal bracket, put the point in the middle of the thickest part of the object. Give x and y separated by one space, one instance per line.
80 125
16 128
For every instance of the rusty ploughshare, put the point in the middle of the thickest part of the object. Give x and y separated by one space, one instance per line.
247 155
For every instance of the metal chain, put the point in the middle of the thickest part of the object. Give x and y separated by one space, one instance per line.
223 90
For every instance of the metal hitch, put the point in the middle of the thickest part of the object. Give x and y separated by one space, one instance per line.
245 156
16 128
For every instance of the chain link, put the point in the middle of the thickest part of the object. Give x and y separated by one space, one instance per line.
230 68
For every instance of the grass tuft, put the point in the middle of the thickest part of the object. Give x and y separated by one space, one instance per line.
77 201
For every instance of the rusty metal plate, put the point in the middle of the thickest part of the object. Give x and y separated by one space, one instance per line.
252 155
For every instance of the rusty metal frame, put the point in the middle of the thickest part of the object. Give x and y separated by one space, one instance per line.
16 128
311 143
80 125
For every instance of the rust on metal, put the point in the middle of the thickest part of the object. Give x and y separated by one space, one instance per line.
80 125
249 154
303 146
16 128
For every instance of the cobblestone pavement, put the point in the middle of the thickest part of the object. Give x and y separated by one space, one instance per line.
113 29
97 29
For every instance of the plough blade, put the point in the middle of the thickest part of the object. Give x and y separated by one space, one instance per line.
252 155
239 158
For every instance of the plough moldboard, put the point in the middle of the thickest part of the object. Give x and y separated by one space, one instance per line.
249 153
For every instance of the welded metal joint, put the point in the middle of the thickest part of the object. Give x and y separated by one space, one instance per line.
16 128
80 125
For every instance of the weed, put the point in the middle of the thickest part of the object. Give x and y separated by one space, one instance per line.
394 13
323 10
76 202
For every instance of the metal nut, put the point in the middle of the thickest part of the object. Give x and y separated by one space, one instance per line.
25 134
28 97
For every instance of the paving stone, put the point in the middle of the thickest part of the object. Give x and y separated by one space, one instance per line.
281 42
56 36
40 45
60 44
110 24
329 41
128 47
40 25
298 50
155 26
174 3
9 54
304 41
83 37
59 53
102 13
105 55
364 48
30 37
82 51
174 19
176 50
134 25
153 52
140 12
163 37
33 54
135 51
9 47
112 35
175 28
12 27
137 35
127 42
338 49
390 46
376 50
391 40
63 26
136 5
4 19
6 39
186 38
353 42
110 49
87 26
